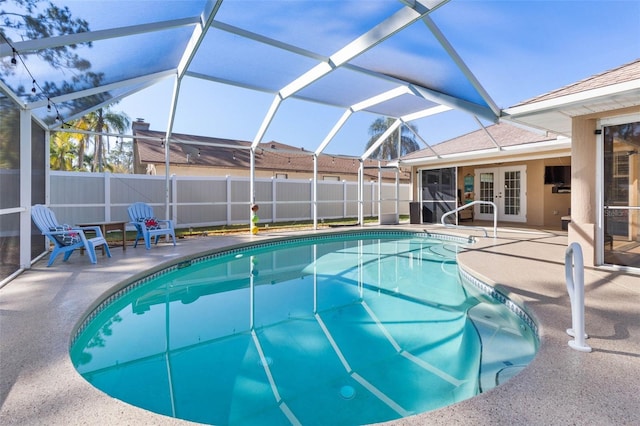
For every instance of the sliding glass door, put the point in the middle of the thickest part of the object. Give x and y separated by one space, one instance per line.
621 192
438 193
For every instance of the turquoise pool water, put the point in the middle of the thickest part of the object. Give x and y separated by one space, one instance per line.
339 330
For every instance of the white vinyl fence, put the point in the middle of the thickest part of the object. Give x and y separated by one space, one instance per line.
211 201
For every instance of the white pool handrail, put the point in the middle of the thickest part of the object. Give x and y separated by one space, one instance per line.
574 274
495 217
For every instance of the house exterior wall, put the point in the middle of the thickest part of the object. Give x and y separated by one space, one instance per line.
555 206
544 207
538 213
584 187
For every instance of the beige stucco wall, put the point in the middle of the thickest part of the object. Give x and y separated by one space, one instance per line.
556 205
537 210
583 186
544 208
582 228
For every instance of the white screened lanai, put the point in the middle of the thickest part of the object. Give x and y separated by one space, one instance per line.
410 60
387 58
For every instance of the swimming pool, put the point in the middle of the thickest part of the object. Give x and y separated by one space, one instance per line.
352 328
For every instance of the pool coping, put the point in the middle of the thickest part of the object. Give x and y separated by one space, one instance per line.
41 308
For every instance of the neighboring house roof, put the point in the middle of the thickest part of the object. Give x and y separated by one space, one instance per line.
611 90
199 151
493 137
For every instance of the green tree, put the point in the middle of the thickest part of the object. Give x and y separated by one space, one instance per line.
62 151
88 161
121 157
388 150
9 135
102 120
40 19
84 141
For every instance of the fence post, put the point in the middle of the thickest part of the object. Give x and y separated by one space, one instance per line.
374 212
107 196
229 199
274 205
380 190
173 201
311 201
345 188
397 192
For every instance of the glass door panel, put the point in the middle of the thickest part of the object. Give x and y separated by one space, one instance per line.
511 193
486 189
621 172
504 186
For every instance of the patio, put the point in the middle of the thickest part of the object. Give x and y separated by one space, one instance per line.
41 308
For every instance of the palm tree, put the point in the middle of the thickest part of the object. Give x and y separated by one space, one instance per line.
388 150
121 157
62 151
99 121
83 142
87 163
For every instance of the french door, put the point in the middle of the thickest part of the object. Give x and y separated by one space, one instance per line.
506 187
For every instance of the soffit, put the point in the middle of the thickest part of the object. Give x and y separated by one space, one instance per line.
611 90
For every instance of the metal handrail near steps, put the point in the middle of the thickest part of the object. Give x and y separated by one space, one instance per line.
495 217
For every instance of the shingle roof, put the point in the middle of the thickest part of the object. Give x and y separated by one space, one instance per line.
621 74
504 134
218 152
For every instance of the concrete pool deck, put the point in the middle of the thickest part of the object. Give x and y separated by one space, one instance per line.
40 309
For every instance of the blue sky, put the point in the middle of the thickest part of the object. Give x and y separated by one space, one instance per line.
516 49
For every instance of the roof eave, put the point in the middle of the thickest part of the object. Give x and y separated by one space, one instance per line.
585 97
530 151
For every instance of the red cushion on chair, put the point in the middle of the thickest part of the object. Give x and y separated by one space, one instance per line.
67 238
150 222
